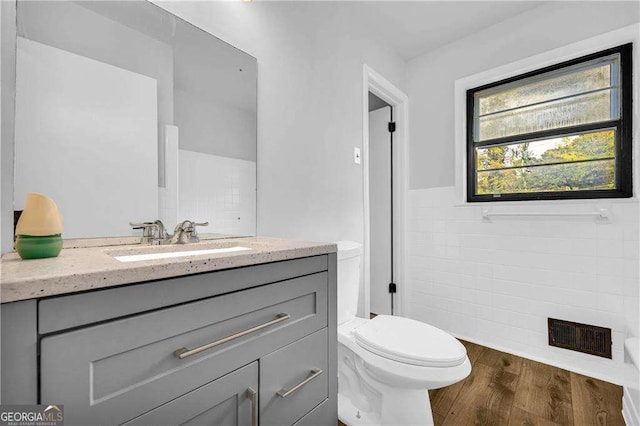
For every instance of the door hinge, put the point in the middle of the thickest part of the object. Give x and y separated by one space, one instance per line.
392 287
392 126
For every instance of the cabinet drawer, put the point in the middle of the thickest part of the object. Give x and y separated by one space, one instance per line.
228 400
82 309
115 371
293 380
319 416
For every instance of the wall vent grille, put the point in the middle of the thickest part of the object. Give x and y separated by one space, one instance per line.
589 339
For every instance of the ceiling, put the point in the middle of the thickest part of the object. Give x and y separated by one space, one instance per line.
415 27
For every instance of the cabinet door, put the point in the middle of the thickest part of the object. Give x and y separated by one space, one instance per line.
228 401
293 380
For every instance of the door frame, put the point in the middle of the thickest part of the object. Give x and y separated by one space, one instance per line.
375 83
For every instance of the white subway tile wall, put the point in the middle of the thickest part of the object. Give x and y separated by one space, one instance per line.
496 282
219 190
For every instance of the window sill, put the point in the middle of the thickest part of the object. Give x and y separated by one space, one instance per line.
598 202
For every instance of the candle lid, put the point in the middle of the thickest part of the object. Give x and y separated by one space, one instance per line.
39 217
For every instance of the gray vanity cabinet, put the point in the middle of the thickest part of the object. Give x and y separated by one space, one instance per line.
251 351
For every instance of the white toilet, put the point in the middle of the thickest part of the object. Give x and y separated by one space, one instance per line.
386 364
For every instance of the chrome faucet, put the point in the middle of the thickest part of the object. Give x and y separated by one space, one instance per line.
150 231
154 233
185 232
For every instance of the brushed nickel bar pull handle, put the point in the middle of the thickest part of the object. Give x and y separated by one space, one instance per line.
315 373
184 352
253 396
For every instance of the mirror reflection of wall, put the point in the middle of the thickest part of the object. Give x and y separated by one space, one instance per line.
126 113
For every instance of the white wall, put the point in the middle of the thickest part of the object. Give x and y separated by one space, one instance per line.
7 105
497 282
0 128
214 128
83 128
58 24
309 109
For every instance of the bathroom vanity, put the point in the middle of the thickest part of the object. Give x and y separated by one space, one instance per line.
245 337
242 330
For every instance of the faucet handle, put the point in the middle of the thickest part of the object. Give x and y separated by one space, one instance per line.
149 227
191 234
194 232
149 231
140 225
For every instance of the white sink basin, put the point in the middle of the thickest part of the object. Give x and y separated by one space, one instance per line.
172 254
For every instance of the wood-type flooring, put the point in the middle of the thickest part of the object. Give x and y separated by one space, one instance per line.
505 389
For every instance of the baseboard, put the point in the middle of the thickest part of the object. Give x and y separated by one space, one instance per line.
548 361
629 410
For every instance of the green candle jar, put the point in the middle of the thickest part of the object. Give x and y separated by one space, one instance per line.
38 247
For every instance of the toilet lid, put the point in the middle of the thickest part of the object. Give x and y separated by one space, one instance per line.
409 341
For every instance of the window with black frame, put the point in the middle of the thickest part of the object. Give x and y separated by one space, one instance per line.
560 132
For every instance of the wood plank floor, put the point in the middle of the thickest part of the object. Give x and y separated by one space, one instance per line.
505 389
508 390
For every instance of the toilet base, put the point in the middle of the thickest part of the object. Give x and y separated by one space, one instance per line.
407 407
410 408
350 415
363 400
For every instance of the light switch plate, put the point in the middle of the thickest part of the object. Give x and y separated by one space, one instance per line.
356 155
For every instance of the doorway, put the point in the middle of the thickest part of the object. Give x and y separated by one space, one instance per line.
385 185
380 206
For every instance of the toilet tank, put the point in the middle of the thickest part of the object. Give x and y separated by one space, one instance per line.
349 258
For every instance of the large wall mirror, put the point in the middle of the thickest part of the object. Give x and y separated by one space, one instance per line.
125 112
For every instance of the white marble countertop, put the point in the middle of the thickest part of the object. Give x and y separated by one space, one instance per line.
80 269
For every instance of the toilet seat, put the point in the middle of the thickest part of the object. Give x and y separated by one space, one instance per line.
409 342
396 373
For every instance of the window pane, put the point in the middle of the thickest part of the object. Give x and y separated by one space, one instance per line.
582 109
553 87
592 175
586 146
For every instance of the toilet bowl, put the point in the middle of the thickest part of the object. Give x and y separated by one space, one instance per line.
387 364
